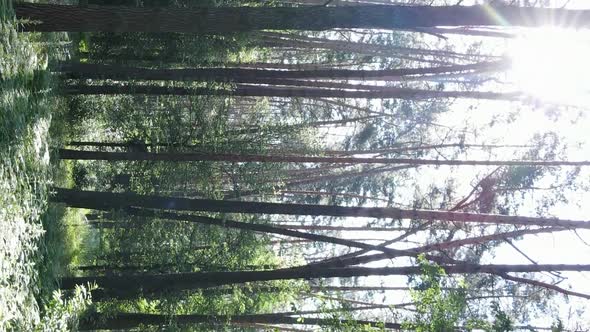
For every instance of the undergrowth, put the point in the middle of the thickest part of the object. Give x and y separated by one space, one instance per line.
36 242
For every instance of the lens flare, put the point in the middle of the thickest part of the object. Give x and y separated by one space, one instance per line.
552 65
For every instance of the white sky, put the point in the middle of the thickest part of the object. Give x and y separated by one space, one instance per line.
573 124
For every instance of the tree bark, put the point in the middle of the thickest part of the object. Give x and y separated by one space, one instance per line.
102 71
144 283
196 156
108 201
468 32
377 92
341 228
361 47
133 320
420 147
50 17
391 253
354 259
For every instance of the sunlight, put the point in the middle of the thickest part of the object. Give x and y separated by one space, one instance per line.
552 65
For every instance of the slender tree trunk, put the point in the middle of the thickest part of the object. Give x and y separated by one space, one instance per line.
256 130
360 47
355 259
50 17
102 71
310 241
468 32
276 230
357 288
281 65
297 46
341 228
420 147
377 92
134 320
130 144
108 201
197 280
136 156
323 193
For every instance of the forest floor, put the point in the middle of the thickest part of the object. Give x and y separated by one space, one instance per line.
36 243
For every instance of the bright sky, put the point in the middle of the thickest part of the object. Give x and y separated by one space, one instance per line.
552 65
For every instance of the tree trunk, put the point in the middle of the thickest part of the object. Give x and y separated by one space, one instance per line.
357 288
50 17
355 259
420 147
108 201
288 127
391 253
144 283
377 92
341 228
123 321
360 47
195 156
331 194
102 71
368 92
467 32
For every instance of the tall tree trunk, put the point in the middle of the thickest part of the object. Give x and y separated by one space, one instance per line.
467 32
102 71
195 156
50 17
420 147
107 201
323 193
357 288
198 280
391 253
377 92
134 320
341 228
258 129
355 259
360 47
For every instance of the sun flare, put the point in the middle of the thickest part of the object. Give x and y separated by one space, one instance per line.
552 65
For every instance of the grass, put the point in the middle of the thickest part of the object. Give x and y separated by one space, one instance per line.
37 243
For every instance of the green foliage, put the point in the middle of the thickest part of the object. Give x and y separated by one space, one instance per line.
502 322
557 326
340 318
113 243
63 314
440 307
436 309
33 249
24 176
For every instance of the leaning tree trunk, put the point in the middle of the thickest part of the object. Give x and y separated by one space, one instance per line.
229 157
107 201
50 17
156 283
354 258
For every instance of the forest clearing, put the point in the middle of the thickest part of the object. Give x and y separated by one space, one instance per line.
295 165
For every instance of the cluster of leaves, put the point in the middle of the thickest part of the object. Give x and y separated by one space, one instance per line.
24 170
443 306
62 314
